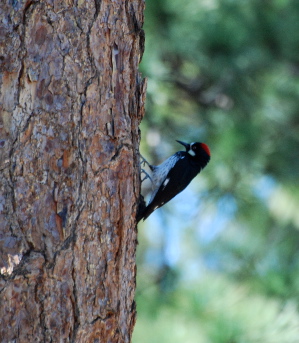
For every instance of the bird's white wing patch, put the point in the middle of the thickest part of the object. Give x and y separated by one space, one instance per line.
166 182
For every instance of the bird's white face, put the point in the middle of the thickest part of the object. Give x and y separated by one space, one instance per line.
191 151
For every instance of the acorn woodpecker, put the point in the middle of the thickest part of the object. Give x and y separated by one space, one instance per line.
174 175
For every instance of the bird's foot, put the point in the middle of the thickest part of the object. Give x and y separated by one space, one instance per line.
147 176
144 162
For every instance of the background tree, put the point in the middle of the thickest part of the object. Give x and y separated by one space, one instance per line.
223 254
71 101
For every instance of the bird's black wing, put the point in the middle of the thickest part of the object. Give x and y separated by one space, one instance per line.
177 179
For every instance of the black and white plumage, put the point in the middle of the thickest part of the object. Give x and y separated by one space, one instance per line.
175 174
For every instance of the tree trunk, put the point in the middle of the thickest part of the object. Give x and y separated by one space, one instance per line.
71 101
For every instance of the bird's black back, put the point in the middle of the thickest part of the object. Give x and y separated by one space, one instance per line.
181 174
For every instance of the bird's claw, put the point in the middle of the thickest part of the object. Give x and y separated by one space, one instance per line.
144 161
147 176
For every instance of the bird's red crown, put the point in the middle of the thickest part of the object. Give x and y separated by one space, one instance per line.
206 148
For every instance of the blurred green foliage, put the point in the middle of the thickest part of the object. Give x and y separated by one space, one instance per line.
225 72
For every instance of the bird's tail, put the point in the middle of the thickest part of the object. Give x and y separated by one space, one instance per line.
141 208
144 212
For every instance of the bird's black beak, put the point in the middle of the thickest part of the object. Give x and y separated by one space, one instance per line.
186 145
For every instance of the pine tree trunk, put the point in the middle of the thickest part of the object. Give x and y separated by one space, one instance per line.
71 100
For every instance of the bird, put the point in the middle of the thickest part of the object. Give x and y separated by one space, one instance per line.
173 175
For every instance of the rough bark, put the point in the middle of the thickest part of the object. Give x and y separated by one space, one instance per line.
71 100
